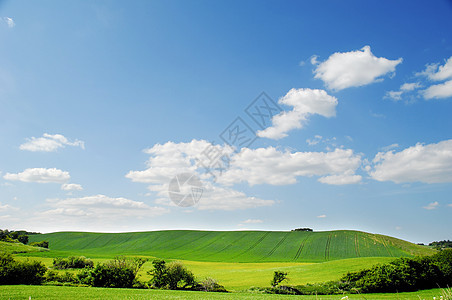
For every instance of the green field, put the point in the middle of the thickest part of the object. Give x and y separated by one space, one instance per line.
61 292
232 246
237 259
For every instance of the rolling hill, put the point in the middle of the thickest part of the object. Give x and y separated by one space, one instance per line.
233 246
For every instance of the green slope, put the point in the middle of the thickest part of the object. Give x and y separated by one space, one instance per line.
15 248
233 246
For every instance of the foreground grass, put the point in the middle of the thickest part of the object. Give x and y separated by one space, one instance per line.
62 292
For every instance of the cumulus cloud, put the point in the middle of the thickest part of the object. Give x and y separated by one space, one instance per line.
438 91
354 68
169 159
71 187
304 102
432 205
430 163
49 143
341 179
277 167
438 72
40 175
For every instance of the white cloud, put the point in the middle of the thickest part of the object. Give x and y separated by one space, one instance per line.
354 68
430 163
314 60
9 21
49 143
390 147
7 207
40 175
321 216
170 159
437 72
404 88
71 187
252 221
341 179
101 208
438 91
317 139
305 102
275 167
432 205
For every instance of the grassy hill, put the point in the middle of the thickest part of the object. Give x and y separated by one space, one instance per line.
15 248
233 246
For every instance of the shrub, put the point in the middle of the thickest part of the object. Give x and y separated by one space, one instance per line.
210 285
16 272
72 262
118 273
42 244
172 276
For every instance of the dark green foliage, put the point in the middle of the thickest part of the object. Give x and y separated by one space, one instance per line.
441 244
278 277
302 229
118 273
404 275
23 239
17 272
72 262
52 276
171 276
42 244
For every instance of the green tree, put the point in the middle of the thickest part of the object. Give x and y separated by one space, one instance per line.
278 277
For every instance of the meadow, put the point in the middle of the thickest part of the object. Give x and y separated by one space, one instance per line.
238 260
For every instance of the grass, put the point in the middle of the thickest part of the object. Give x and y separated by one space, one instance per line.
15 248
231 246
62 292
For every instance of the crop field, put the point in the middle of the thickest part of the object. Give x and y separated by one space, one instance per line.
237 259
232 246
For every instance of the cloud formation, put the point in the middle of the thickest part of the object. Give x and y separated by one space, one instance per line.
430 163
277 167
71 187
354 68
49 143
101 207
305 102
39 175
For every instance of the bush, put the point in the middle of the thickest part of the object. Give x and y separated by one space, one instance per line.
16 272
210 285
172 276
42 244
118 273
72 262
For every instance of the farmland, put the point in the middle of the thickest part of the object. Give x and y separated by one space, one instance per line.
232 246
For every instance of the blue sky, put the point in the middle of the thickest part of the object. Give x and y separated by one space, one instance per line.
103 103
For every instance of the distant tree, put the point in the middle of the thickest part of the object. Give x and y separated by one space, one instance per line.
302 229
278 277
23 239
